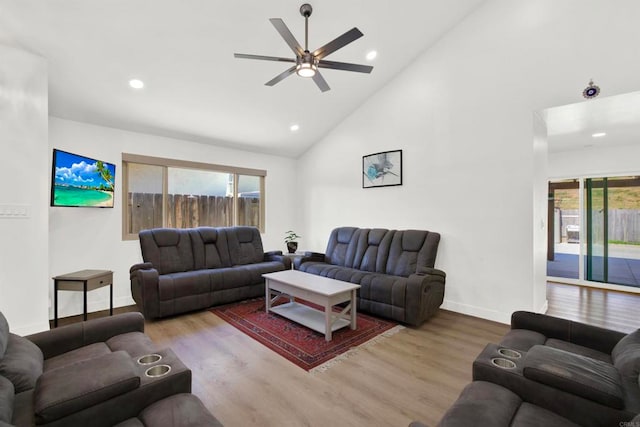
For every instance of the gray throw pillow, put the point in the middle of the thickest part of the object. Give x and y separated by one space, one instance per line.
22 363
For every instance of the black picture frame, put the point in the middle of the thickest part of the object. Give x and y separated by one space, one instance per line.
382 169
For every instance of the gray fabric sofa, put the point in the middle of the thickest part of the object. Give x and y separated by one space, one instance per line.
89 374
395 269
553 372
192 269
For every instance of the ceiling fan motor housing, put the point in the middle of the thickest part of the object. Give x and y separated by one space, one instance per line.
305 10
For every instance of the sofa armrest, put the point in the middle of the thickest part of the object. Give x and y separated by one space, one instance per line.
578 333
424 295
69 389
308 257
70 337
145 284
140 266
278 256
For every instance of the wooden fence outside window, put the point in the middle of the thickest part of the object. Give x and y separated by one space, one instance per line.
186 211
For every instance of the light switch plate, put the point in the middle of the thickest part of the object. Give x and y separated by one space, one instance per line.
15 211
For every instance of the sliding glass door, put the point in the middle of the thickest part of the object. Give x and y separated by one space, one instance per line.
595 230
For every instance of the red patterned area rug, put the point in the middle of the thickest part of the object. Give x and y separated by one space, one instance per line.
299 344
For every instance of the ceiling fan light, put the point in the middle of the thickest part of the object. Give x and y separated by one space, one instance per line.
306 69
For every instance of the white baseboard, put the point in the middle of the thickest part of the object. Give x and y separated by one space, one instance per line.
471 310
31 328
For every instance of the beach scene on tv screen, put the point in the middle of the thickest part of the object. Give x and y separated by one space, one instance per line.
81 181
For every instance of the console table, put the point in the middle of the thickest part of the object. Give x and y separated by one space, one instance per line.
83 281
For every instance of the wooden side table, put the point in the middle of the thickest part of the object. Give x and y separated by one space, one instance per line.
84 281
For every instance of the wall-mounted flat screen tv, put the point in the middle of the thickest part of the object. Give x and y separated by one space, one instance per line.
80 181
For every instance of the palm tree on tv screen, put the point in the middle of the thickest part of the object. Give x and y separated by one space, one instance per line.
105 174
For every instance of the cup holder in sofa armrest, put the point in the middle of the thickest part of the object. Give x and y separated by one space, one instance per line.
149 359
503 363
70 389
583 376
158 371
511 354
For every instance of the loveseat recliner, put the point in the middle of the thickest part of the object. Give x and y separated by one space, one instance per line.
395 269
192 269
90 373
554 372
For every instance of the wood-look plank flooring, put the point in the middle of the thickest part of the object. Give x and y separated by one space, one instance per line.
415 374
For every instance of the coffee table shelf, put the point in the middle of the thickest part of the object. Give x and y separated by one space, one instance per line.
308 316
323 291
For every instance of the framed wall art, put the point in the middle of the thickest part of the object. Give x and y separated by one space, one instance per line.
382 169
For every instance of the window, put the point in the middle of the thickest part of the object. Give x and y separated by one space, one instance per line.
173 193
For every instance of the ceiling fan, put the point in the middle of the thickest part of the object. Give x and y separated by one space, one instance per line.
307 63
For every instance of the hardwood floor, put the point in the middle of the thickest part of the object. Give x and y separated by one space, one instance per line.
415 374
607 309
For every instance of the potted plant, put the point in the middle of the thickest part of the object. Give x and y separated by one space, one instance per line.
291 239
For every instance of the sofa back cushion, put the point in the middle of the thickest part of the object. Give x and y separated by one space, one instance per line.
411 248
6 400
4 334
168 249
373 249
245 245
342 247
22 363
210 249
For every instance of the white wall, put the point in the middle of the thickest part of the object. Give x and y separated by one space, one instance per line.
82 238
23 182
595 161
463 114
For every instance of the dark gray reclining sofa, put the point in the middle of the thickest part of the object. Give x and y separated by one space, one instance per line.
395 269
192 269
553 372
88 374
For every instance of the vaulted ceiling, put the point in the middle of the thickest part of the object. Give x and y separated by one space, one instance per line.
194 88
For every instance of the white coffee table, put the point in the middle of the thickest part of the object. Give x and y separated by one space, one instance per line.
316 289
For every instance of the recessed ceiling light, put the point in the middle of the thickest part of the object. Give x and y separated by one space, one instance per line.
371 55
136 84
294 128
598 135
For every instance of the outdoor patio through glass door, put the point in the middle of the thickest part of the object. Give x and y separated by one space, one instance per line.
594 230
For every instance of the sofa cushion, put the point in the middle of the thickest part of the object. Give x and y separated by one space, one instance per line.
187 283
578 349
74 356
626 355
245 245
134 343
410 248
373 249
522 339
342 246
580 375
4 334
168 249
210 248
7 393
22 363
75 387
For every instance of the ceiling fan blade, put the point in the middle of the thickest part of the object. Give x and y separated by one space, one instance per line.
345 66
335 44
264 58
282 28
281 76
320 81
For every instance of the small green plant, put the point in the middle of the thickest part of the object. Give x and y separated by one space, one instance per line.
291 236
